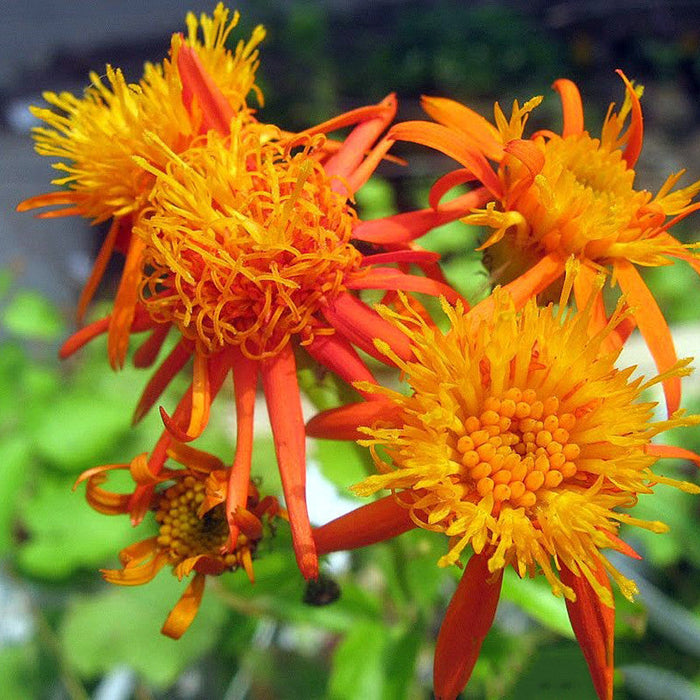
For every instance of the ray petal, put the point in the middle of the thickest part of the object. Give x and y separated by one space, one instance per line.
635 132
341 423
572 107
672 452
182 615
390 278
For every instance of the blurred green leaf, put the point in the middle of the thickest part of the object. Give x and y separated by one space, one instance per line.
400 661
122 625
64 533
14 471
358 669
375 199
30 315
343 463
18 670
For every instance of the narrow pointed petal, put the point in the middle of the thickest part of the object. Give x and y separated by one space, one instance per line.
653 327
673 452
445 183
402 228
336 354
456 116
125 305
390 278
375 522
364 171
402 257
361 325
468 619
341 423
635 131
594 626
287 422
217 113
354 116
49 199
184 612
147 352
98 269
452 144
245 382
83 337
572 107
360 140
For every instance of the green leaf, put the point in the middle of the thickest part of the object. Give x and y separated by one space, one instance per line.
30 315
14 471
358 669
65 534
18 670
122 626
400 661
343 463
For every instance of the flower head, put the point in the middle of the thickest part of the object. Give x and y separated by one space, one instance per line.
557 195
192 527
522 442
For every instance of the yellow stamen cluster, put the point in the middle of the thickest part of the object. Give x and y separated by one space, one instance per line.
97 134
520 439
186 533
245 242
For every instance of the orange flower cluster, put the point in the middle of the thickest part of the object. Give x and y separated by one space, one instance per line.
520 438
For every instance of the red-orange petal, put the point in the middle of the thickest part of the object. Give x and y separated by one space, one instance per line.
341 423
672 452
653 327
403 256
184 612
572 107
287 422
147 352
375 522
445 183
635 132
594 626
468 619
390 278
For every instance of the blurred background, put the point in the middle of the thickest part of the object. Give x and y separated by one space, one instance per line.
66 634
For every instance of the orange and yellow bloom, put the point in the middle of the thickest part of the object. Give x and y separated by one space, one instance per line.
523 443
192 526
556 195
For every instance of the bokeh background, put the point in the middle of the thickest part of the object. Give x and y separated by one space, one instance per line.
66 634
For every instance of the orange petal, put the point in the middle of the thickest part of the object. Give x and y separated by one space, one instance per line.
478 130
403 257
572 107
147 352
336 354
217 113
287 423
389 278
136 575
194 459
375 522
467 621
635 132
653 327
98 269
453 144
50 199
184 612
125 304
137 552
165 373
445 183
361 325
594 626
341 423
402 228
83 337
529 155
245 382
356 116
672 452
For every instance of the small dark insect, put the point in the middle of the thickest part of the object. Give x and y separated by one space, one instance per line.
322 591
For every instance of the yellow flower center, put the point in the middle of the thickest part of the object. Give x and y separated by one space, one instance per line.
183 534
517 448
245 243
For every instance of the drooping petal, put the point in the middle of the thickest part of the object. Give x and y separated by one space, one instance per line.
217 113
572 107
445 183
653 327
402 228
594 626
374 522
138 574
245 381
165 373
361 325
341 423
287 423
182 615
452 144
467 621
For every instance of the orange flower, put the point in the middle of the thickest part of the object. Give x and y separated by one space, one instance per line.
193 529
522 443
554 195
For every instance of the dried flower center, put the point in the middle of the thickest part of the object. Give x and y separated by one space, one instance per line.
245 244
184 534
517 448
